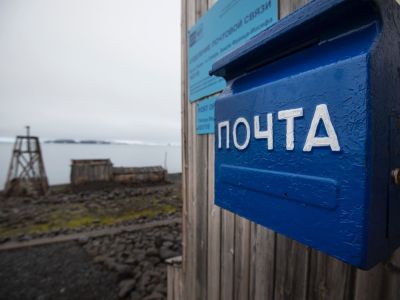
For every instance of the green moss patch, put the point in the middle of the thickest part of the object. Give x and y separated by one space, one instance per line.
70 220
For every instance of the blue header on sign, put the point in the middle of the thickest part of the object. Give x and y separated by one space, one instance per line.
228 24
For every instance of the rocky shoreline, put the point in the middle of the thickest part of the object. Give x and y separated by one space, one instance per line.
136 259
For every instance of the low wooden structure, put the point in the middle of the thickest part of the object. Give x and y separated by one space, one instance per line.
139 175
228 257
85 171
91 170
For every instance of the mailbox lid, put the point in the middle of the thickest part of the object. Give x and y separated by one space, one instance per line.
317 21
319 197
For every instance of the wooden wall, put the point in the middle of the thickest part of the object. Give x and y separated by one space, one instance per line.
91 170
227 257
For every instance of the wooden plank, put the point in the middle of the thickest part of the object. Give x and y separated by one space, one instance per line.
329 278
211 3
170 283
214 231
189 261
174 282
393 269
201 8
200 186
291 272
201 208
190 284
242 258
184 138
381 282
197 196
227 254
288 6
262 263
178 283
369 285
214 224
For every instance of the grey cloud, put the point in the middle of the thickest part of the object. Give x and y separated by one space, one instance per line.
91 69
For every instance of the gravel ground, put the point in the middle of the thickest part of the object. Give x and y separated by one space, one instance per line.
59 271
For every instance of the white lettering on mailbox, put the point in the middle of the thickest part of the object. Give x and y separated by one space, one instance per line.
289 116
266 134
247 140
321 115
226 125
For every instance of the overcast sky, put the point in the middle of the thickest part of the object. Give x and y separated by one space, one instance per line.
90 69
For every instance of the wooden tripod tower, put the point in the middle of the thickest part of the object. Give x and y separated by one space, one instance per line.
26 174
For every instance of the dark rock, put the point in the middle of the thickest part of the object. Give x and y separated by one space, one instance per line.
56 231
154 260
4 239
109 263
145 265
138 274
26 238
155 279
154 296
144 281
135 296
158 241
125 286
167 244
99 259
131 260
168 237
151 252
161 288
124 271
92 251
83 240
150 288
96 243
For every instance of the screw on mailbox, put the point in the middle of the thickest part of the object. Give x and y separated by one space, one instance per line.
396 176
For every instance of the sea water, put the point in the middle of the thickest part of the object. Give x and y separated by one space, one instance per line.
57 157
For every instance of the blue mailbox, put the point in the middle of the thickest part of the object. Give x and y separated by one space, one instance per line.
308 129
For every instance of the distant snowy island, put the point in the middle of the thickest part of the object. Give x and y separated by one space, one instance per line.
71 141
